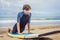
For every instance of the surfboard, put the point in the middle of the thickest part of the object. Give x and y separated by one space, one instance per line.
23 35
32 35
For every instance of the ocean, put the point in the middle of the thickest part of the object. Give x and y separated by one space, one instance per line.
35 21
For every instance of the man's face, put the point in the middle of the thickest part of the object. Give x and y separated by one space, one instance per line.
26 11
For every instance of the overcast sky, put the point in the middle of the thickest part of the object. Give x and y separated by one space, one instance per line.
45 8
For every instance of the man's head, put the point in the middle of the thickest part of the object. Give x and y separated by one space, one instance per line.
26 8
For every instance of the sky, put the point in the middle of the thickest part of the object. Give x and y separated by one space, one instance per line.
40 8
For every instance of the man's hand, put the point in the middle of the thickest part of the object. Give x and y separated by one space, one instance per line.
18 28
28 28
19 33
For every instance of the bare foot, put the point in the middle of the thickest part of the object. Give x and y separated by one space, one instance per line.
9 30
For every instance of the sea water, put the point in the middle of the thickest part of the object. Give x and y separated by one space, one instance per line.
9 21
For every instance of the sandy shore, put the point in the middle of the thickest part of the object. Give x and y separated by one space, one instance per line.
39 29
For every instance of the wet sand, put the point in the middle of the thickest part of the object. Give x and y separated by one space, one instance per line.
39 29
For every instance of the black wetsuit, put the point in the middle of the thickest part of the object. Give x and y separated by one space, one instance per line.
23 21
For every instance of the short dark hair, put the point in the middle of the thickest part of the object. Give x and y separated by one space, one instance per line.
26 7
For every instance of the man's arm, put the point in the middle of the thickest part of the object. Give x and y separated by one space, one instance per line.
28 27
18 22
18 28
29 23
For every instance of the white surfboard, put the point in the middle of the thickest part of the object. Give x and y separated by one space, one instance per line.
23 35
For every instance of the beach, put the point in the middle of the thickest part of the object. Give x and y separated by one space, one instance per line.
39 29
45 18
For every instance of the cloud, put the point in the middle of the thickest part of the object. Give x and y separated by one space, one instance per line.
3 2
33 3
42 7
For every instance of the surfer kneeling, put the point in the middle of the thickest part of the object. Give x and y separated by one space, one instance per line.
23 19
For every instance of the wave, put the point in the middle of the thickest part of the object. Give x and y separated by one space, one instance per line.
14 21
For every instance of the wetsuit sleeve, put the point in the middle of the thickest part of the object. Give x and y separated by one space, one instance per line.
18 18
29 18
